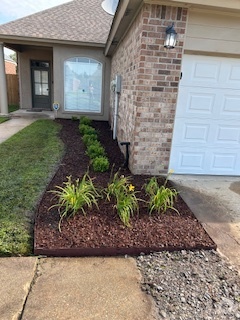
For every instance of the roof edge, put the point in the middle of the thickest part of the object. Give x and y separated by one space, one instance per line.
123 19
31 40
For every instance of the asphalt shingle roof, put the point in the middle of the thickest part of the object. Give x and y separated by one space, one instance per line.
78 20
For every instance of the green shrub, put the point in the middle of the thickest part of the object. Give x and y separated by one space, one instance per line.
74 118
89 139
95 150
75 196
85 120
86 129
100 164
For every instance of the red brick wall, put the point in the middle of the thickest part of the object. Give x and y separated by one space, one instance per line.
10 68
150 75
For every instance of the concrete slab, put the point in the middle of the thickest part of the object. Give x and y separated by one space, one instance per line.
16 275
88 288
215 201
33 114
12 126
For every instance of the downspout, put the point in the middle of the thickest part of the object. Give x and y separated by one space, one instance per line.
116 104
3 84
117 90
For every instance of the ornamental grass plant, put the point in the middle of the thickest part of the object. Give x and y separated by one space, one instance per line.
75 196
123 194
161 197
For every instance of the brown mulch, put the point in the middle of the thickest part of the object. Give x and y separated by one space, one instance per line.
101 232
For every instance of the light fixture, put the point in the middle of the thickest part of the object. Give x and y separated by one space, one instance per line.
110 6
171 37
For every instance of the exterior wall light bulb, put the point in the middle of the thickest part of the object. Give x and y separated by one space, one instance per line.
171 37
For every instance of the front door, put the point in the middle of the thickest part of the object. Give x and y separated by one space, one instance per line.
41 95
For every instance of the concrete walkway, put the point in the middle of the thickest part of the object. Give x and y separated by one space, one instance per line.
215 201
72 288
12 126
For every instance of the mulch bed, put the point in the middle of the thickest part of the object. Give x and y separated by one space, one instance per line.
101 232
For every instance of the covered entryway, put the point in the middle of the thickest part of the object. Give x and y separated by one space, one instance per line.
206 138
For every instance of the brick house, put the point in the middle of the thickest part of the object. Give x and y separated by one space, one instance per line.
10 65
178 108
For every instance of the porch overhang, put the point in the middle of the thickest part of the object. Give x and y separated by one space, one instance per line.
15 42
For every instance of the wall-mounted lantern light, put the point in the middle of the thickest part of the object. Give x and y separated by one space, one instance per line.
171 37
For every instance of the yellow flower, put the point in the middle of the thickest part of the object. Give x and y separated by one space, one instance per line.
170 171
131 187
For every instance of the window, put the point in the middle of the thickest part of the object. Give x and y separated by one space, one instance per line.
82 85
41 83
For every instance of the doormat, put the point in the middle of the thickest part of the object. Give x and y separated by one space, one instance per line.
34 110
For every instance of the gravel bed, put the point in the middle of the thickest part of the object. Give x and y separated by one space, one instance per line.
191 285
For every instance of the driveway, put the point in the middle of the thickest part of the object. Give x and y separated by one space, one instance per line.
215 200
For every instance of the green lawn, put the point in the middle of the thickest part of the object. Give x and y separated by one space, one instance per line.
11 108
28 161
3 119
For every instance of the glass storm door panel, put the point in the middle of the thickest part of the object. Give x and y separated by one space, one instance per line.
41 85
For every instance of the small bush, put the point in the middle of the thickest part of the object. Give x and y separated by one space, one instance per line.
85 120
89 139
74 118
100 164
86 129
95 150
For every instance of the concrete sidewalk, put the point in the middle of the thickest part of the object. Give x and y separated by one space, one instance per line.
12 126
73 289
215 201
19 120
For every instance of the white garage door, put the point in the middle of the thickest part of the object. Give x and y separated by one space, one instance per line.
206 137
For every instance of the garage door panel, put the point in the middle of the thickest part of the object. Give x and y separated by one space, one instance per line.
214 72
217 105
199 103
191 132
230 105
196 133
226 134
188 161
196 103
230 74
206 137
200 71
207 132
202 161
222 162
205 70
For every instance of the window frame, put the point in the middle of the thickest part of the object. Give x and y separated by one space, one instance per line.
84 111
